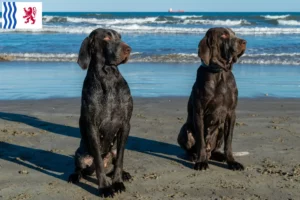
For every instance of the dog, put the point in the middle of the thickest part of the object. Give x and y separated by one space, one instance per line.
213 100
106 109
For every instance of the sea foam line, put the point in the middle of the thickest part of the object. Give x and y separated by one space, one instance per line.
275 16
142 29
147 20
289 22
263 59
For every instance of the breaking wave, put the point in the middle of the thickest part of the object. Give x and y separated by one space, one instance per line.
289 22
275 16
143 29
219 22
147 20
41 57
263 59
54 19
188 16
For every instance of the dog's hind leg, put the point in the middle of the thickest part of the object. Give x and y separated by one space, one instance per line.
83 163
186 141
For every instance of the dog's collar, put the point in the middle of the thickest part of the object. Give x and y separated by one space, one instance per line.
212 68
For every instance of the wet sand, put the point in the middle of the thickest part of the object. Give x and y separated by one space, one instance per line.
39 137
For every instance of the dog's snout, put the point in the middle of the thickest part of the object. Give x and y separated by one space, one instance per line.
243 42
126 48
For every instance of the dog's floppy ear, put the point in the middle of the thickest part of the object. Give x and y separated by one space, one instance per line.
84 56
86 50
204 50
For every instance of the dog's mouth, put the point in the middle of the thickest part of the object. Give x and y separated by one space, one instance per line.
234 58
242 52
125 60
118 61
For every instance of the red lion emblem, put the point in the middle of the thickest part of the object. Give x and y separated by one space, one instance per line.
30 14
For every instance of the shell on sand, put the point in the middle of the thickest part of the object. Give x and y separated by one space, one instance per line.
241 153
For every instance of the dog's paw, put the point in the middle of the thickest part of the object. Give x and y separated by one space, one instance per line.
235 166
74 178
201 166
106 192
119 187
126 176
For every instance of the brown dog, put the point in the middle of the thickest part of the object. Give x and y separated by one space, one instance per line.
212 103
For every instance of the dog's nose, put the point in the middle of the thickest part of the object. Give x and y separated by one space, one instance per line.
126 48
244 42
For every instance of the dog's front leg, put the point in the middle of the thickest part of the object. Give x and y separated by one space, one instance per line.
202 161
119 174
105 189
229 126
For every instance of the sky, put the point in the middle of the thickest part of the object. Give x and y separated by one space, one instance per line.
164 5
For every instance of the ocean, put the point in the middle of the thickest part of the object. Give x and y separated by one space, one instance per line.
164 58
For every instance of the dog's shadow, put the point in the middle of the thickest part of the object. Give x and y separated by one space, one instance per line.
61 166
49 163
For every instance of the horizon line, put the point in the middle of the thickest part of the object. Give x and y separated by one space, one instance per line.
188 11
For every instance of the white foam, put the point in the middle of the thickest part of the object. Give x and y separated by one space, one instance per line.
185 20
289 22
47 18
269 61
271 58
168 58
179 30
218 22
113 21
266 31
272 54
103 21
187 16
262 59
275 16
141 29
42 57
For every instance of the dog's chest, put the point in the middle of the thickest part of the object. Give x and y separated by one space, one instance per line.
221 97
115 113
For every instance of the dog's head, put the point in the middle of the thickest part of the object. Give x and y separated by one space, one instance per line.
221 43
106 46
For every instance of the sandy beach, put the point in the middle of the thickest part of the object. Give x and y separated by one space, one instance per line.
38 139
41 85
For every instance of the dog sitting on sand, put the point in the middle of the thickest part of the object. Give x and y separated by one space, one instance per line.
106 108
212 103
